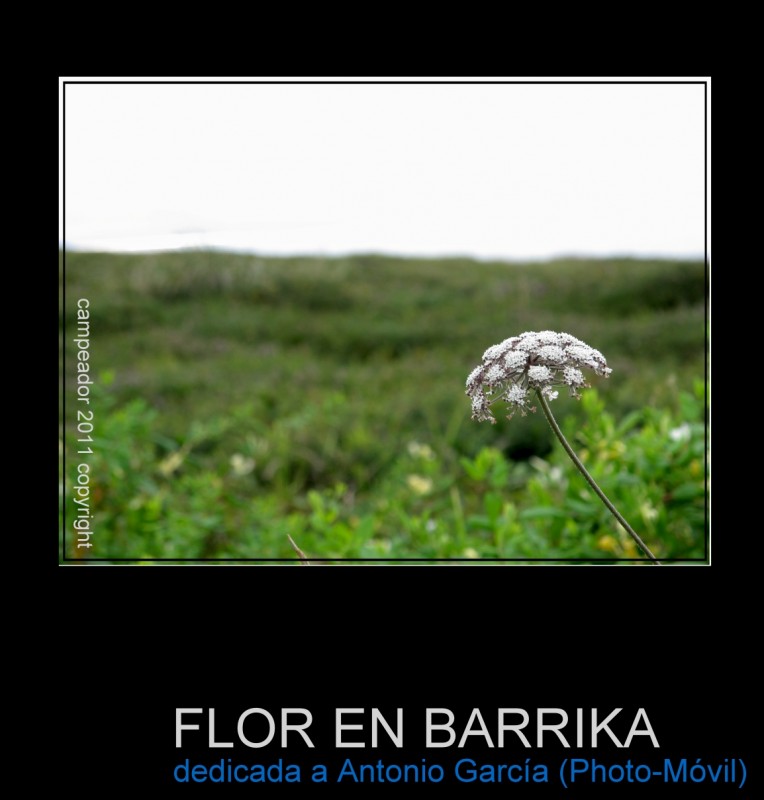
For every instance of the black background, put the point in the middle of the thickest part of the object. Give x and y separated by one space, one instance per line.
130 645
666 640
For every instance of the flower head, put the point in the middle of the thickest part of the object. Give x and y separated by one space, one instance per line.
531 361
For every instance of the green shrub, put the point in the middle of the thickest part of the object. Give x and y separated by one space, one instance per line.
253 399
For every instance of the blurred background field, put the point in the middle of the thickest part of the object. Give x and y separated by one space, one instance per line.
240 399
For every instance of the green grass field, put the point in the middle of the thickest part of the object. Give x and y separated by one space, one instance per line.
238 400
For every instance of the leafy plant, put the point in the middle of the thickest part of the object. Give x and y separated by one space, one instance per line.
239 400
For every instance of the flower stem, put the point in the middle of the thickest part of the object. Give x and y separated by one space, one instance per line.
613 510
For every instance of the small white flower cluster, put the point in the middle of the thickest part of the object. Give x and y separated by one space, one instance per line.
531 361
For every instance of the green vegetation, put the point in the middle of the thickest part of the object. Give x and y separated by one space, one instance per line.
239 399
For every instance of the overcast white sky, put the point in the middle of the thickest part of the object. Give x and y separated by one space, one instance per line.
493 171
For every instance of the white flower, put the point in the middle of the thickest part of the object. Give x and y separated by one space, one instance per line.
680 434
573 376
419 484
552 353
241 465
419 450
538 377
514 360
532 360
516 395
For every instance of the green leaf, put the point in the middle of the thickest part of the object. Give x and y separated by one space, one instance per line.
541 512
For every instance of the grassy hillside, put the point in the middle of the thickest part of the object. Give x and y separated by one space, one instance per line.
238 399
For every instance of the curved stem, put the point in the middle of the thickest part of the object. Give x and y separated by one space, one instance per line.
613 510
